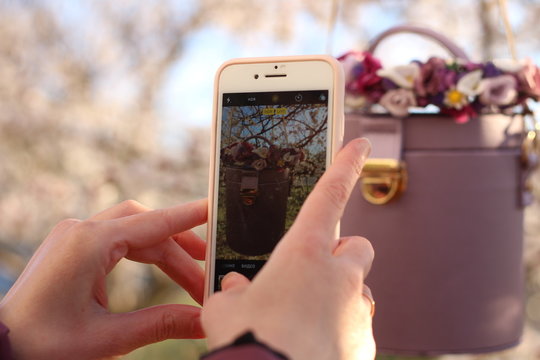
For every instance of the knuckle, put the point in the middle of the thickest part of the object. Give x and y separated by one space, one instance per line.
357 252
166 327
65 224
306 250
364 247
337 194
85 230
166 255
168 220
130 204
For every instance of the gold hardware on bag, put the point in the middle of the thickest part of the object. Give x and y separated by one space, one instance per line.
248 196
249 187
530 147
383 180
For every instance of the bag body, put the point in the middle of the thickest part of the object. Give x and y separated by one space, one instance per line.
442 196
448 274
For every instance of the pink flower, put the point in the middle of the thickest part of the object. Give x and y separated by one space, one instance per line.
499 90
398 101
362 75
462 115
529 79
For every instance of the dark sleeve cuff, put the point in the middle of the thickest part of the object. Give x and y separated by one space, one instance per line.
5 346
246 347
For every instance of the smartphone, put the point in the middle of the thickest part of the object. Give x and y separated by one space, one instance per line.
277 124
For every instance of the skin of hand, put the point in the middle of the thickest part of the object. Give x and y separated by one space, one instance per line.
57 309
307 301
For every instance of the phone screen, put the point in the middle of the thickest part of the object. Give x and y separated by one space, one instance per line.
272 151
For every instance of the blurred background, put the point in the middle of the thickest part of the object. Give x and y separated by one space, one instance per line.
102 101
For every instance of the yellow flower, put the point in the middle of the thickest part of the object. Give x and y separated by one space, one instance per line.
455 99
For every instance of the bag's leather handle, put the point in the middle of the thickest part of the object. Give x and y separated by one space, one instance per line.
445 42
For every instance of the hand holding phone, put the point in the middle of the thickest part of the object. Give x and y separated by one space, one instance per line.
307 301
278 123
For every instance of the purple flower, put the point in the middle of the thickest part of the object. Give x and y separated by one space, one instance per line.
499 90
434 78
398 101
490 70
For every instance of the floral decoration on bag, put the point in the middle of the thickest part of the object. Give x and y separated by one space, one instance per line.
245 155
457 87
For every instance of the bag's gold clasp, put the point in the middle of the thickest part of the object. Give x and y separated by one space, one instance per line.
248 196
249 187
383 180
530 147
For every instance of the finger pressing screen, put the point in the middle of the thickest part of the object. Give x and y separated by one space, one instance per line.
324 206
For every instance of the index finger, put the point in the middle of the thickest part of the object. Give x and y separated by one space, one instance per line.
151 227
324 207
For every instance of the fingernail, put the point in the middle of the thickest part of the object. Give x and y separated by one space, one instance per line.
364 146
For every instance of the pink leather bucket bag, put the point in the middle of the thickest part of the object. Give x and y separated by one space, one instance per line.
442 204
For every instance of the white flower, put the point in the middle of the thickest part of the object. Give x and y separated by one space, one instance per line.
293 159
470 83
403 75
398 101
509 65
262 152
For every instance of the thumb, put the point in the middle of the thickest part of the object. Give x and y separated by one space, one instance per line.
142 327
234 280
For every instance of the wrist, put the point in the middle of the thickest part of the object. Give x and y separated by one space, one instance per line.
244 345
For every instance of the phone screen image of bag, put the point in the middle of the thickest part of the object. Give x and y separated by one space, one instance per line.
273 149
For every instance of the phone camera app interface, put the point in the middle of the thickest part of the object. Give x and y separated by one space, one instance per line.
272 152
